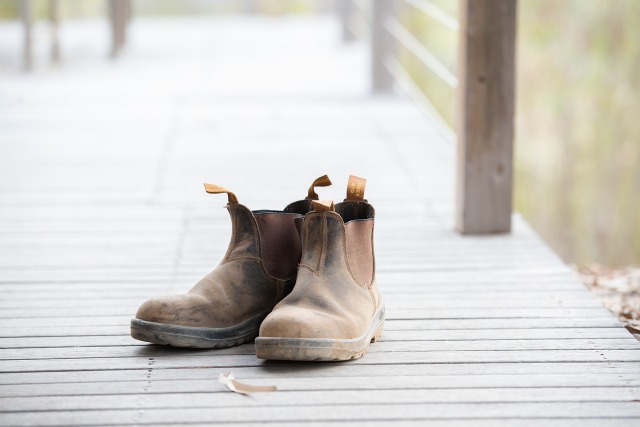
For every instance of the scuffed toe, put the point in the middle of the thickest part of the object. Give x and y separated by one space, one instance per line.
295 322
185 310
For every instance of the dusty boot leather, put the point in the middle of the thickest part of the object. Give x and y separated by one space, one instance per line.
335 310
226 307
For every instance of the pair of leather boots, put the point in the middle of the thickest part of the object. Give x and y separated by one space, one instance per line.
301 280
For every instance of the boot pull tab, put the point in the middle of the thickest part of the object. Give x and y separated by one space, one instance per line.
323 205
355 188
323 181
216 189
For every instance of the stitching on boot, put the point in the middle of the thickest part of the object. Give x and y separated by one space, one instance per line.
316 273
233 237
256 232
279 291
346 256
323 253
315 270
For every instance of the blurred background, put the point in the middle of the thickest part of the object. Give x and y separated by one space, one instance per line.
578 85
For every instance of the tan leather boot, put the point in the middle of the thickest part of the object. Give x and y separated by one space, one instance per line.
226 307
334 310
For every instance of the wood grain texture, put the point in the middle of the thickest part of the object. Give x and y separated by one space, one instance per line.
485 121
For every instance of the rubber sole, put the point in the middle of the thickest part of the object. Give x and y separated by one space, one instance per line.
188 336
320 349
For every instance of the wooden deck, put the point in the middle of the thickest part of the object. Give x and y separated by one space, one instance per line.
101 207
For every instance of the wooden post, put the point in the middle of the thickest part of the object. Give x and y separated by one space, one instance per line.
345 10
54 21
26 12
486 97
113 13
382 45
118 15
127 14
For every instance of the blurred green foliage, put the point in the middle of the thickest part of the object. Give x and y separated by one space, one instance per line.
442 42
577 122
71 9
68 8
578 127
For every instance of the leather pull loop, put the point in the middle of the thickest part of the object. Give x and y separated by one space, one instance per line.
323 181
323 205
355 188
216 189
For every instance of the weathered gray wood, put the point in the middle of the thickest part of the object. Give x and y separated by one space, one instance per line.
273 372
221 398
54 22
123 305
104 326
491 422
382 347
103 317
390 334
193 359
423 411
392 382
382 45
26 14
485 122
118 14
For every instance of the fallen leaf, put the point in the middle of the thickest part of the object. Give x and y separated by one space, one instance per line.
237 387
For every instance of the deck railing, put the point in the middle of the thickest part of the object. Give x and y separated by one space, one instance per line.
484 86
119 12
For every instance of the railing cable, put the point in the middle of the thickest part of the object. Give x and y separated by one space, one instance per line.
439 15
411 43
411 88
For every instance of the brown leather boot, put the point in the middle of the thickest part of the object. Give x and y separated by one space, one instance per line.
226 307
334 310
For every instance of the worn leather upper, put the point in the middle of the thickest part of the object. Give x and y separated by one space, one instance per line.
257 271
335 295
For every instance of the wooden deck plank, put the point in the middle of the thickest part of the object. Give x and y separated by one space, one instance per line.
404 345
96 218
431 382
418 411
197 360
94 327
220 399
557 335
275 372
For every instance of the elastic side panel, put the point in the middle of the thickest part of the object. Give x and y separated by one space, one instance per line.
359 235
280 243
350 211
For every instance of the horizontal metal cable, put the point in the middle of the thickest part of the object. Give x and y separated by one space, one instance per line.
411 88
359 4
408 40
436 13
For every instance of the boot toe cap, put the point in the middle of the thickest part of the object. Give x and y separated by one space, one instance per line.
185 310
295 322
